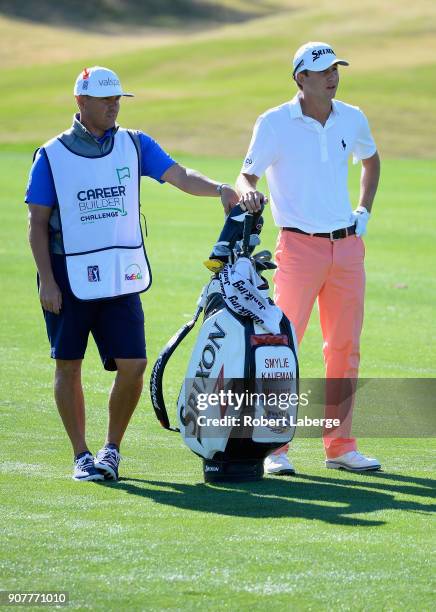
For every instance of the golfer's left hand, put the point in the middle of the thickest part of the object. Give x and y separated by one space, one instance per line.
229 198
360 217
252 201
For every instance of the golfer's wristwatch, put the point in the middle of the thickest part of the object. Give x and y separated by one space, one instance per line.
220 188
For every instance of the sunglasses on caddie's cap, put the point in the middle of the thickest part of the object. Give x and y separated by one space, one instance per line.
315 56
98 82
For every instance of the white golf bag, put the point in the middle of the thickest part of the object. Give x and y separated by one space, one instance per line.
238 401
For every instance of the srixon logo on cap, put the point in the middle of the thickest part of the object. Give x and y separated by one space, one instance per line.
316 54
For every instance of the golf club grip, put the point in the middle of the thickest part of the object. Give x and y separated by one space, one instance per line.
248 225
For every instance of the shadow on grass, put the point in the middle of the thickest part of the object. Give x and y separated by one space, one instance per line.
332 500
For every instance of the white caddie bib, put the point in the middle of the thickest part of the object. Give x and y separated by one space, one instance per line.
99 211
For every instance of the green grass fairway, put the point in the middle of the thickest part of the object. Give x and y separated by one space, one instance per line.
162 540
201 91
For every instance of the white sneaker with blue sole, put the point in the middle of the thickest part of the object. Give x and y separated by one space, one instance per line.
84 468
107 462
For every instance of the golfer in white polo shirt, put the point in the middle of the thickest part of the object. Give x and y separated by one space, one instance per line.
303 147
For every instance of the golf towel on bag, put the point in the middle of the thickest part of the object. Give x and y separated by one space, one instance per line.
246 293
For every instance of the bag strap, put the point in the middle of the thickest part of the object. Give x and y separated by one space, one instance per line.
156 378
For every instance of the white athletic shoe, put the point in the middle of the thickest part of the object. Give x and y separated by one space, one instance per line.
353 461
84 468
278 465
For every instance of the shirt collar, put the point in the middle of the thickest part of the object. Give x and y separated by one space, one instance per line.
297 113
295 108
81 130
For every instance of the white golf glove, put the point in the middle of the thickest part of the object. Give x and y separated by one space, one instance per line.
360 217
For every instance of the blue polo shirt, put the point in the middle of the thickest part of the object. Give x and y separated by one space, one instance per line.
40 188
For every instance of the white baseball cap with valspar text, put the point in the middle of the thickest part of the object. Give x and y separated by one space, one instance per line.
98 82
315 56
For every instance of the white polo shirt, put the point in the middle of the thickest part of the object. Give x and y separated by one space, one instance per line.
306 164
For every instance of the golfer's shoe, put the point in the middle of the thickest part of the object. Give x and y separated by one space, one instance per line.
107 462
84 468
353 461
278 465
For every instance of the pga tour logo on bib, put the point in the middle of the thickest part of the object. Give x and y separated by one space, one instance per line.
93 274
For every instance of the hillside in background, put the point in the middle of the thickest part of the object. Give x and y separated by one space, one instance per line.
200 86
105 14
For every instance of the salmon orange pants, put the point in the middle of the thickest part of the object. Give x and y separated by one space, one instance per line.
311 268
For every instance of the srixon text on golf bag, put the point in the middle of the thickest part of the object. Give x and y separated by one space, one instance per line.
239 398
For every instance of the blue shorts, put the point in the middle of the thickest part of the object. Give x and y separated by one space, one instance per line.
117 324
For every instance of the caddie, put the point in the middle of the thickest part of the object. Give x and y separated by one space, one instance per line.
83 197
303 146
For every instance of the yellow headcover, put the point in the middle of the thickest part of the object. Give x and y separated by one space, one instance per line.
214 265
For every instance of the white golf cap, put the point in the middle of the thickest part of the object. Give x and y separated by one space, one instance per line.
315 56
98 82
